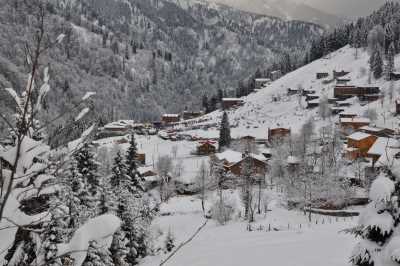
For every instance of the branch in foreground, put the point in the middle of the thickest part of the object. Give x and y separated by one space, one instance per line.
184 243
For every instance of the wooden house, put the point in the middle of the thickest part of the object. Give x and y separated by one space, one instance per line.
312 104
339 74
261 82
377 131
353 123
345 91
206 148
146 171
293 164
310 97
397 103
292 91
321 75
336 110
307 92
395 76
342 81
141 157
257 164
276 134
358 145
276 74
191 115
228 103
347 115
170 118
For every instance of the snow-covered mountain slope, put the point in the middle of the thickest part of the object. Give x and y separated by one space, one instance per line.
261 112
347 8
286 9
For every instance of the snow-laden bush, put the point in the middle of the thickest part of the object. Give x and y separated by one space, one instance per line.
378 226
226 209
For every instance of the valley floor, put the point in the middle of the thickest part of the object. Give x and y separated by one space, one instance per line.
232 245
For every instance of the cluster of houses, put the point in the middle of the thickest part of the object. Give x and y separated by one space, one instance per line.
367 142
124 127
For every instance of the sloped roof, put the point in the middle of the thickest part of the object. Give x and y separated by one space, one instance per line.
359 136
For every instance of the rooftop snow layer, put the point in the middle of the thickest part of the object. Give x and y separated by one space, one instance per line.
359 136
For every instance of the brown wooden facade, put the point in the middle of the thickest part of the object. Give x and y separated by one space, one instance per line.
359 147
206 148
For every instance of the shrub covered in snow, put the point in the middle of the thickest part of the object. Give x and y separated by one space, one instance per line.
377 226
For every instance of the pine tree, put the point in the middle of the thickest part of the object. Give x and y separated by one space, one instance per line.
389 68
224 133
118 249
87 169
377 225
98 256
376 64
132 169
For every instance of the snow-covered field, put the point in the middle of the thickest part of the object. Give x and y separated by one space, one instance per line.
232 245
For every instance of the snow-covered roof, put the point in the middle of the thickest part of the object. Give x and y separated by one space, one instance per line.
171 115
359 136
263 79
382 144
230 156
231 99
355 120
292 159
145 169
235 157
371 129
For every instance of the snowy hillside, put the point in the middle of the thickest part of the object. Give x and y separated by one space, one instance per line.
261 112
285 9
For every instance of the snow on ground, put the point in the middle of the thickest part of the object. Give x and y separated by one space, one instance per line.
233 245
260 111
154 147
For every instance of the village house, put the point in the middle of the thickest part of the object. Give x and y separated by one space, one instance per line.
339 74
170 118
206 147
321 75
380 147
395 76
228 103
293 164
191 115
343 80
397 103
358 145
256 162
277 134
364 93
115 129
347 115
293 91
312 104
377 131
141 157
312 96
261 82
276 74
233 162
353 123
150 177
336 110
228 157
